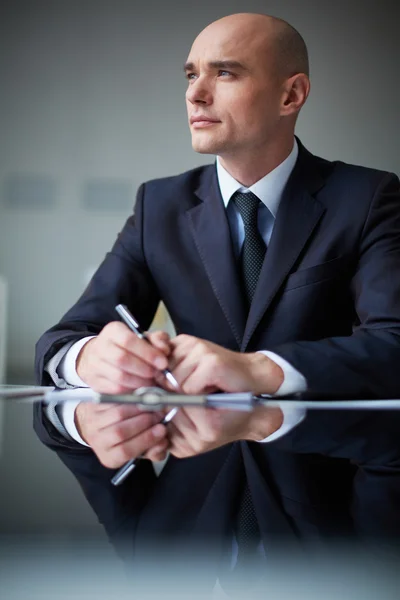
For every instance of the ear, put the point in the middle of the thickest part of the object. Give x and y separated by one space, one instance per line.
296 90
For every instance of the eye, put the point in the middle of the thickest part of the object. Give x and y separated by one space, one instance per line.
191 76
223 73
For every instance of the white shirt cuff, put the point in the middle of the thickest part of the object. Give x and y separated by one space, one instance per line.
291 418
67 371
66 368
293 381
66 414
62 369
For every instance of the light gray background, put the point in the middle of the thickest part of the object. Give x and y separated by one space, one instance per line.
92 104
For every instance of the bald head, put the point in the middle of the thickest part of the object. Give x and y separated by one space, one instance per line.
290 49
276 40
247 81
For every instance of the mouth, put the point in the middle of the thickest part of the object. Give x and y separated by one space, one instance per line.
202 121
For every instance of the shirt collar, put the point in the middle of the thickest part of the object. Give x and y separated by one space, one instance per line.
269 189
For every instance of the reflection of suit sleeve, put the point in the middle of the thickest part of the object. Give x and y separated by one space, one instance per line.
366 362
113 505
123 277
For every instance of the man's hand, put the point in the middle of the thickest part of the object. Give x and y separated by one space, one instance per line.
117 361
204 367
118 432
195 430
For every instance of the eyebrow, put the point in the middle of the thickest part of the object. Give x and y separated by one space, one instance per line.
218 64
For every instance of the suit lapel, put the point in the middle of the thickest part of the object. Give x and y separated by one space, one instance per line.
298 215
210 229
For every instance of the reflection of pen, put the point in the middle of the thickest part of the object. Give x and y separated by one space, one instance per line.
130 320
128 467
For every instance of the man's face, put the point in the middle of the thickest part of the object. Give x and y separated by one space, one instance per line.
234 94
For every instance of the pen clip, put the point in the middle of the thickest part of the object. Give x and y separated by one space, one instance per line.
129 319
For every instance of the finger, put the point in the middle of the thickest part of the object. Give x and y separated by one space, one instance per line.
188 356
204 375
180 449
182 342
160 340
97 411
142 443
183 370
158 453
126 362
94 409
174 433
208 423
120 335
123 412
113 380
181 346
137 446
179 442
104 386
184 424
127 431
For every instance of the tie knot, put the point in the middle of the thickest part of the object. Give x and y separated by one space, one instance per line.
247 204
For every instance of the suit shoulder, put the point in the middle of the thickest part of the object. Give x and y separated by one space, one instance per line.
186 180
341 183
356 175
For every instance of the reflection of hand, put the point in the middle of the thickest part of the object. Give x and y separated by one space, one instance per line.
117 361
204 367
118 432
195 430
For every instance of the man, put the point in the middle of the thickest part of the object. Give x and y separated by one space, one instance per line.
276 268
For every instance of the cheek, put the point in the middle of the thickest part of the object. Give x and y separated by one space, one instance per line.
246 109
263 115
237 114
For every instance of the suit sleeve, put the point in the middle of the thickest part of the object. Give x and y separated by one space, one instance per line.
123 277
366 363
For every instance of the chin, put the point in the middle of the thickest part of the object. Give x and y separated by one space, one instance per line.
202 149
205 146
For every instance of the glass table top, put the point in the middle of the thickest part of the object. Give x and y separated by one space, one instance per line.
34 393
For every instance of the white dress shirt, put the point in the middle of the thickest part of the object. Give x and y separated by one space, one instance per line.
269 189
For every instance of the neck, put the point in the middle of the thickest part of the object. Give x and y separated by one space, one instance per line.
249 168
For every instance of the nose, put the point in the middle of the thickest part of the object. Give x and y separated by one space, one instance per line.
199 92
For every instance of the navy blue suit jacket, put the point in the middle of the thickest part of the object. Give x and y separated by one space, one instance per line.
328 301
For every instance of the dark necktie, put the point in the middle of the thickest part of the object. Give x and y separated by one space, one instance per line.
253 251
252 257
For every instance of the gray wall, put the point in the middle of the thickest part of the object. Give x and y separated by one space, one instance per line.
92 104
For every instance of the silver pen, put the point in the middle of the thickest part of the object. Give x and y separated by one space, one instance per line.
131 322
